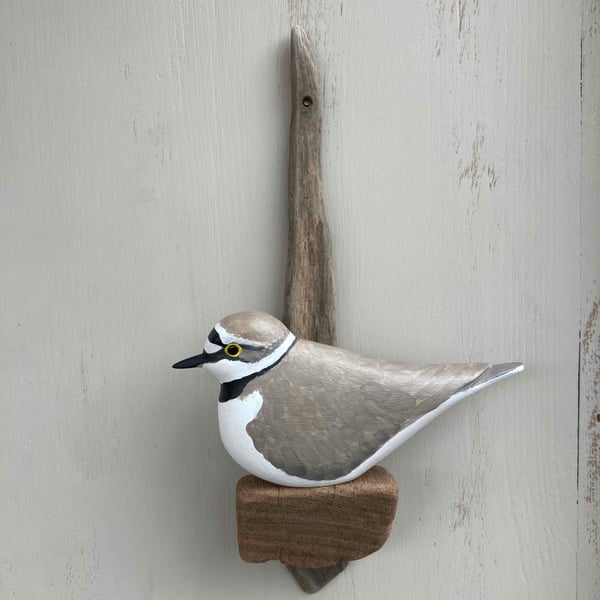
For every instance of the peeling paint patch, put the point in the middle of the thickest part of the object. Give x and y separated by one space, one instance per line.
493 178
83 376
590 429
81 571
593 18
469 508
475 169
472 171
467 17
469 505
439 18
463 506
461 16
125 69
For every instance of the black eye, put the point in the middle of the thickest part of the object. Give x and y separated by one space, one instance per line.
307 101
233 350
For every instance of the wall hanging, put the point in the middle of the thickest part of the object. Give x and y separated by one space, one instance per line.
308 420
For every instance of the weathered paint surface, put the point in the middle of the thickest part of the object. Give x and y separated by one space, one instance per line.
588 557
142 196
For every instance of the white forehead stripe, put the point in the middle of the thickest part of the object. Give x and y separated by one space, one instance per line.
227 337
211 348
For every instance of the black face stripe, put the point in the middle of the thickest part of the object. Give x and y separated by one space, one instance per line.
212 357
215 338
232 389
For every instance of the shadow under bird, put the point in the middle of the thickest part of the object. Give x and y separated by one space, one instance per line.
300 413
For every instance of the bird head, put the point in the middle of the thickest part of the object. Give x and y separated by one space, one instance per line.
241 345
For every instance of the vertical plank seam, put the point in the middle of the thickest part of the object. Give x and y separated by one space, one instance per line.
578 428
581 300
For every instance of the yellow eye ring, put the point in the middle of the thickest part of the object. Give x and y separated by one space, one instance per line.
233 350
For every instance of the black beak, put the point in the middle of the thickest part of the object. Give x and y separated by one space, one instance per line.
193 361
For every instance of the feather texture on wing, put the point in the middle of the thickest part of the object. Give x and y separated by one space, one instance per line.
327 410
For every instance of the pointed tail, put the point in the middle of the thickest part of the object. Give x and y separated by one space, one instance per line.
492 374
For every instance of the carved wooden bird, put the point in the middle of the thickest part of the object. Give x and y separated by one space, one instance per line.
299 413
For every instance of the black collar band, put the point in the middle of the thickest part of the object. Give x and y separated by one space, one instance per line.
233 389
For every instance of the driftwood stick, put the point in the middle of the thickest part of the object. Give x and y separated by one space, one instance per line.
312 580
309 302
309 309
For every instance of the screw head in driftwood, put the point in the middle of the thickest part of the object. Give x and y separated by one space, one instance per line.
300 413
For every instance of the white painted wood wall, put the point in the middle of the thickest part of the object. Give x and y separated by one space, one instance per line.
143 191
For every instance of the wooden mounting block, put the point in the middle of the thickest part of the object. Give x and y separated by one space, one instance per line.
315 527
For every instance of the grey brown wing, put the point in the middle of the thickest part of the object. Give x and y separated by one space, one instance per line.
325 410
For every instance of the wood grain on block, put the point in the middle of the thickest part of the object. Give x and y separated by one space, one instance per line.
315 527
